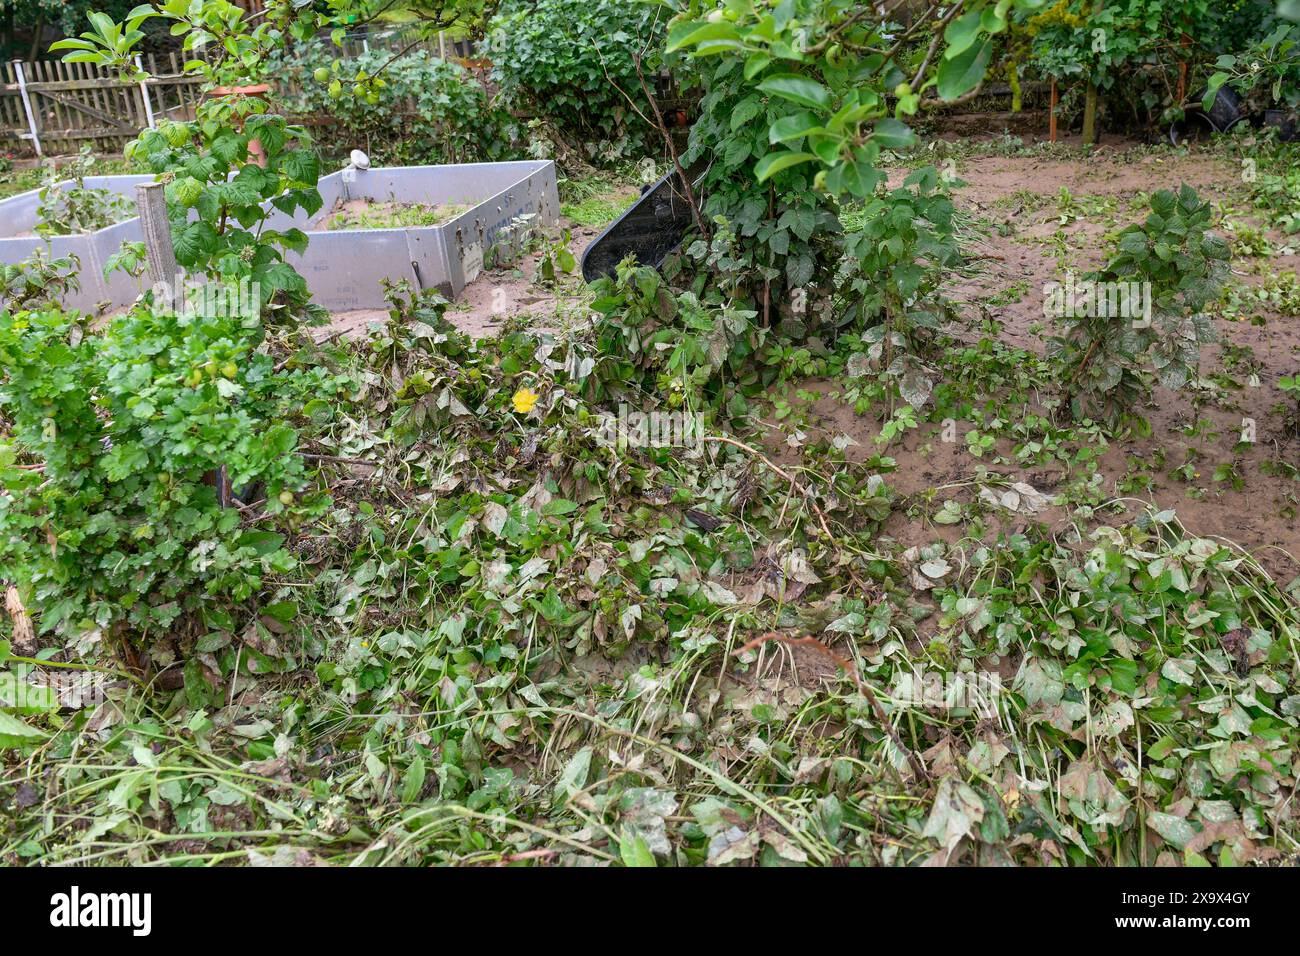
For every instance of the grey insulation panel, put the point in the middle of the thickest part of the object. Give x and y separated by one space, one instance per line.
343 268
18 216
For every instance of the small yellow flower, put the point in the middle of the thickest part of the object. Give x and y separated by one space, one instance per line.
524 400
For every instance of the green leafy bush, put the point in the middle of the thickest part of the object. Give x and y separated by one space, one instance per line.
75 209
567 60
417 109
1182 267
801 102
1128 52
227 238
108 510
787 232
38 279
668 342
1267 75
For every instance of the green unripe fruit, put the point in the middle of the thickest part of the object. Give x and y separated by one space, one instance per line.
286 498
322 75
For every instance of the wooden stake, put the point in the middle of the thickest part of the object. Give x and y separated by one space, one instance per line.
152 205
1051 117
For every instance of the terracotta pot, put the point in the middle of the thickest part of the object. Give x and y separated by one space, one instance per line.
255 89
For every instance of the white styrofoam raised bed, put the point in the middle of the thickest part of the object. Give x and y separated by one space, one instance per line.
343 268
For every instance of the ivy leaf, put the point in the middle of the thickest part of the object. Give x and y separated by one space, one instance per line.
574 777
634 850
1180 671
1175 830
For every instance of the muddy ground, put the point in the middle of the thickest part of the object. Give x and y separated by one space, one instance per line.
1016 203
498 294
1025 232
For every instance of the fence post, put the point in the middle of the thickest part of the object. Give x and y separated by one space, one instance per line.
27 105
151 201
144 94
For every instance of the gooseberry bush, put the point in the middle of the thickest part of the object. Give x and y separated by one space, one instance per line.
120 524
146 455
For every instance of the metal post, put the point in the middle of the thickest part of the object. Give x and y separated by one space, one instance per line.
144 94
151 201
442 44
27 105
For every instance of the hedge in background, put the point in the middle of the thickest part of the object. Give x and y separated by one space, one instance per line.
427 110
566 61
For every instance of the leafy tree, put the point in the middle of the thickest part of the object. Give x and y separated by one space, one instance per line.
804 100
1126 55
23 22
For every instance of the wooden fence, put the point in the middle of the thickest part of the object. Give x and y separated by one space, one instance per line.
50 107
